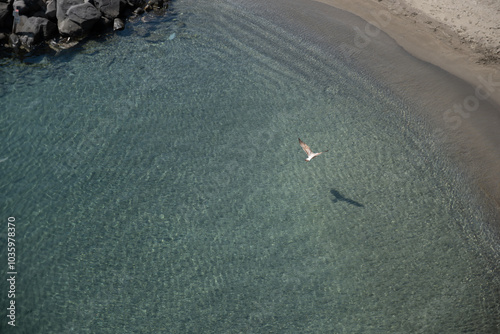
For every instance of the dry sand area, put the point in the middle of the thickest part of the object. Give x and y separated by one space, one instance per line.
476 22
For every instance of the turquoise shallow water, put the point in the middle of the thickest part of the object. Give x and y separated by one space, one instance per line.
158 187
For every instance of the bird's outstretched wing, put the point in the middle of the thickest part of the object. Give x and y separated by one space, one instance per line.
305 147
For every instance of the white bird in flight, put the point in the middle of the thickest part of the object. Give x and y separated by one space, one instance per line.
310 154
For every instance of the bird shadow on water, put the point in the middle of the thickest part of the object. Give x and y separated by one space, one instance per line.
340 198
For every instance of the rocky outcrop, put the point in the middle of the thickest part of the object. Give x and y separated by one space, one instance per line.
27 23
79 19
62 8
5 15
51 10
109 8
30 7
33 30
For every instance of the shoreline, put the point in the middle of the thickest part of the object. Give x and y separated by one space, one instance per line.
436 44
469 120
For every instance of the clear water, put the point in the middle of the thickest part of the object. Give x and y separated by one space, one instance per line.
159 187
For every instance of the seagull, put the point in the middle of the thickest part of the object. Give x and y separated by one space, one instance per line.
310 154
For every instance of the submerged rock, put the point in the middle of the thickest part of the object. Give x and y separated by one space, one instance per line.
63 43
154 5
138 11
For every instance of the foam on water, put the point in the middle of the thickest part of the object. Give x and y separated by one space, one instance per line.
159 187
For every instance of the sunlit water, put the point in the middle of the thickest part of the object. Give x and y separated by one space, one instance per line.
158 187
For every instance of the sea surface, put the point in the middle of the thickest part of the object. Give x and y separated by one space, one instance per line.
158 186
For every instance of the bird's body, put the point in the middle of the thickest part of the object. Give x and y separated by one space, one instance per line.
310 154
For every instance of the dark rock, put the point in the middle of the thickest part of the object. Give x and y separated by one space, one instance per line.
123 4
79 19
134 3
104 24
109 8
69 28
40 13
14 41
28 7
6 19
138 11
3 38
118 24
85 14
153 4
62 7
33 30
51 10
62 43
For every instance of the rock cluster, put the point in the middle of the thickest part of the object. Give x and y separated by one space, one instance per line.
26 23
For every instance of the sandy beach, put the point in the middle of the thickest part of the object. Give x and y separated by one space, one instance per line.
463 39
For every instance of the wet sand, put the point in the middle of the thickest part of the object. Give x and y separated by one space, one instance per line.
463 41
456 95
464 47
